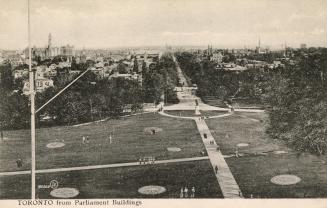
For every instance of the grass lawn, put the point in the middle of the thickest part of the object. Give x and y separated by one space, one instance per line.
262 117
191 113
213 113
253 172
130 142
246 103
121 182
213 101
184 113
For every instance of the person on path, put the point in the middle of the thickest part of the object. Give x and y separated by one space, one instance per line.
140 161
181 195
110 139
236 153
240 194
193 192
216 169
232 110
218 148
185 192
87 140
83 140
19 163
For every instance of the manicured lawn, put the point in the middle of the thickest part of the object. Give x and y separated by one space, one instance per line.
254 170
121 182
130 142
191 113
246 103
213 113
261 117
184 113
213 101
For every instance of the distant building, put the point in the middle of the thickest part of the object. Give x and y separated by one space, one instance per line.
40 85
303 46
50 51
217 57
20 73
231 67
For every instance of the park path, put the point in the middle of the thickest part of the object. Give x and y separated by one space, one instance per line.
225 178
92 167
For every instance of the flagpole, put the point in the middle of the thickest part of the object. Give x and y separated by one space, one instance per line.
32 98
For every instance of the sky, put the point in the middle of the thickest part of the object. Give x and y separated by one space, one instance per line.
123 23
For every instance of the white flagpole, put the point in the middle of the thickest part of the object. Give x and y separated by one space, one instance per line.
32 97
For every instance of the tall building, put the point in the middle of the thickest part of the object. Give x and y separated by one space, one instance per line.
50 51
303 46
258 48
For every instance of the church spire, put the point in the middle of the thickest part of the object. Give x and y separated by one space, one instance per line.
49 40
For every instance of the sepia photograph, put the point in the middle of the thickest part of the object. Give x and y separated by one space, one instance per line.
107 102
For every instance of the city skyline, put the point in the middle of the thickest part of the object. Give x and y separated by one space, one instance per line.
109 24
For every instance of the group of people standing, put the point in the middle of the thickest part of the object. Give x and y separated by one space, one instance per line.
185 193
85 140
147 160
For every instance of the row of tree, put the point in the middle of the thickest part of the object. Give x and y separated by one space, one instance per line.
161 79
223 84
297 97
89 98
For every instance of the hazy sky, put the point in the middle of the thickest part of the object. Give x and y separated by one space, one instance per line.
109 23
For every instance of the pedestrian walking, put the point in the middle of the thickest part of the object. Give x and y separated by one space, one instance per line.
193 192
19 163
83 140
218 148
110 139
181 195
140 161
185 192
87 140
236 153
216 169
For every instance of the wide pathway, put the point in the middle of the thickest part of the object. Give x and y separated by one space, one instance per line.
116 165
227 183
